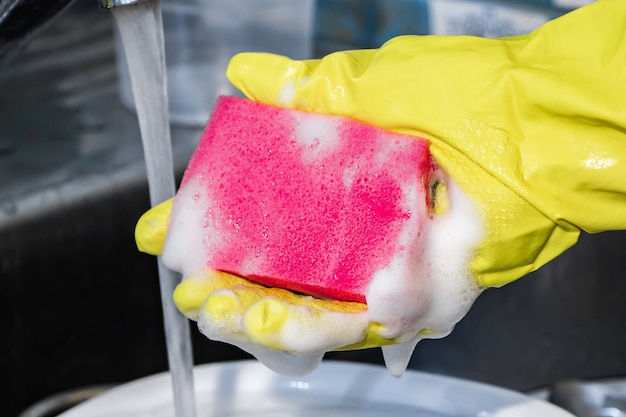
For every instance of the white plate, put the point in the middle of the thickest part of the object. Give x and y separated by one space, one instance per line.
335 389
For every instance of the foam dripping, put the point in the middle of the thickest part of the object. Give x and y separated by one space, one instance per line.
397 357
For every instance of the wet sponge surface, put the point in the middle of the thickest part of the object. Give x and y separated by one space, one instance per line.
313 203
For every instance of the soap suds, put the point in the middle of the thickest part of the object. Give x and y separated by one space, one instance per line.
317 136
190 225
439 290
287 93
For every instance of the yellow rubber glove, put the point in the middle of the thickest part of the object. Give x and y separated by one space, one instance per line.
532 127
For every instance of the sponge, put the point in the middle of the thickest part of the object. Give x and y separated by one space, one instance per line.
316 204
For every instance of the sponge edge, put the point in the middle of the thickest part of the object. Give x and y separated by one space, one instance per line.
313 203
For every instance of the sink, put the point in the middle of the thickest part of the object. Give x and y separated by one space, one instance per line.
81 307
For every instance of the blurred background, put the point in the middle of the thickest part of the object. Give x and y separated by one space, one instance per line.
79 306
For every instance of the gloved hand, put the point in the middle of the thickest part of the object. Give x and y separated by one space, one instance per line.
533 129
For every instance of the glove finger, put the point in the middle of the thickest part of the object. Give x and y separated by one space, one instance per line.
192 292
220 316
151 228
302 327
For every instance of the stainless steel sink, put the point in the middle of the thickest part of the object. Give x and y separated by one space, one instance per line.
80 305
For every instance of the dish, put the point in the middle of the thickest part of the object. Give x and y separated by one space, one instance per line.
335 389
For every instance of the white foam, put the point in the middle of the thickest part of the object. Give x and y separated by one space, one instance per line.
439 290
286 363
190 231
348 175
287 94
317 135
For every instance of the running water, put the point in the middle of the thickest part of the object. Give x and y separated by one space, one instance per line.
141 31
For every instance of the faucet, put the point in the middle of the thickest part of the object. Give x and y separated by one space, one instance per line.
21 20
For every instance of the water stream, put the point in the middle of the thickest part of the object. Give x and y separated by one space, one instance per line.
141 32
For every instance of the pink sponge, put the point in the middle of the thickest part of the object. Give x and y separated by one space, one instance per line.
313 203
